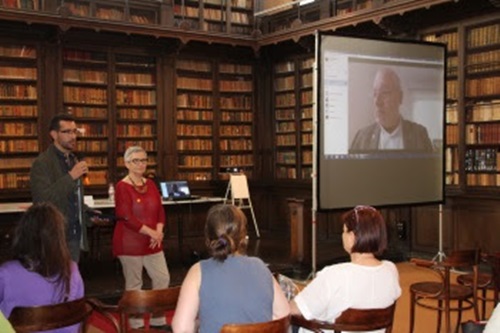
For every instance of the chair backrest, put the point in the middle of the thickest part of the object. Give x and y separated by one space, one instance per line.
48 317
494 261
147 303
274 326
353 320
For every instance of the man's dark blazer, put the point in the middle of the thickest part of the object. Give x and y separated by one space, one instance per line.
50 183
415 137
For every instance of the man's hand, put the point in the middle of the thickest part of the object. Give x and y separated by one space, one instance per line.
79 170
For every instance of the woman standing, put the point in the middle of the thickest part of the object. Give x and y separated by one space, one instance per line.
364 282
138 235
41 272
230 287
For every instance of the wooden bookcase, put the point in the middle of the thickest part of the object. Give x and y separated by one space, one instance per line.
473 103
85 81
293 110
482 104
235 16
236 132
136 107
452 151
195 119
19 115
214 118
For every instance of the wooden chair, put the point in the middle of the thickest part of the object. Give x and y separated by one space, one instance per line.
146 303
353 320
438 295
49 317
485 282
275 326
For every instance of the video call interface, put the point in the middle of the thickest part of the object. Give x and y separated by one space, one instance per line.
381 121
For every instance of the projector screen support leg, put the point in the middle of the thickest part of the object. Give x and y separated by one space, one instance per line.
440 255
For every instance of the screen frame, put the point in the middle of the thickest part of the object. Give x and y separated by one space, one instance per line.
318 112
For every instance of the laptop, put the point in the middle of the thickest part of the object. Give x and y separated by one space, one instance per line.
176 190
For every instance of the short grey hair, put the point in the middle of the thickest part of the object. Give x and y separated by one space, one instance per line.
132 150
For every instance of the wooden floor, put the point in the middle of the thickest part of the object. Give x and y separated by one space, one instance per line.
103 279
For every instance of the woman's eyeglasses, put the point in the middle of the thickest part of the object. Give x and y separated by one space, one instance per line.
137 161
359 208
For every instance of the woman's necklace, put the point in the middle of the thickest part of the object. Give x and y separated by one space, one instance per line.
139 188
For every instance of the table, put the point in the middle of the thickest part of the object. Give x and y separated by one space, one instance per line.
16 208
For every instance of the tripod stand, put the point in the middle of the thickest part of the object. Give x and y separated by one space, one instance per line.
440 255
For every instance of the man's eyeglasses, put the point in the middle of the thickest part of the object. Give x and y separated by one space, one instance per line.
74 131
137 161
359 208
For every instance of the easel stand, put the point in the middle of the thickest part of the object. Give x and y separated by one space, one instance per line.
440 255
237 194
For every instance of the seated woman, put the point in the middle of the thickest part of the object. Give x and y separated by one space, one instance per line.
41 271
365 282
230 287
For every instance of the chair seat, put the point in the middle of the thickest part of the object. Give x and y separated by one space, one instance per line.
483 280
431 289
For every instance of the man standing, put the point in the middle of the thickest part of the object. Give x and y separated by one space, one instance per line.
55 177
390 131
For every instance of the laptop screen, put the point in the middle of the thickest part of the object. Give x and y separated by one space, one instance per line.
176 189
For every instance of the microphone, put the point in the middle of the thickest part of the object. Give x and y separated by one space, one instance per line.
80 157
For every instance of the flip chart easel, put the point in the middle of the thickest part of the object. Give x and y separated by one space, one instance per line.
237 194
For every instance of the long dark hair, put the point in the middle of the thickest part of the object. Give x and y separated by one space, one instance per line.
40 245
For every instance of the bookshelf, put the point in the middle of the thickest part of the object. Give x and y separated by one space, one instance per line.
136 107
482 104
138 12
85 81
285 119
234 16
19 115
450 38
236 132
293 118
195 119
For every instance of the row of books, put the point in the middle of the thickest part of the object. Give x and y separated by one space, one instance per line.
19 146
485 159
135 97
452 89
194 101
194 65
285 127
283 172
194 83
21 51
11 72
139 79
448 38
15 162
452 179
235 86
194 144
286 140
483 87
236 160
92 145
236 144
239 69
483 62
18 129
307 157
135 130
285 114
18 111
306 97
195 161
451 159
89 76
452 113
483 179
195 176
93 130
284 67
286 157
88 112
306 138
14 180
482 133
235 130
137 114
284 83
285 100
85 95
194 130
485 35
193 115
17 91
485 111
148 145
236 116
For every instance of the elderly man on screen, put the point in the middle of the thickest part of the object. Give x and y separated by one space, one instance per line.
390 131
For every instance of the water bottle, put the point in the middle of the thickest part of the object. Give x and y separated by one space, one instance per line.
111 192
